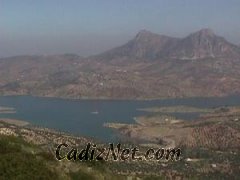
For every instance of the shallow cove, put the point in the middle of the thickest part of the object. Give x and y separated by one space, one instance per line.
86 117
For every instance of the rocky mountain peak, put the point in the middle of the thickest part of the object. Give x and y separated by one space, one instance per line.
145 35
143 32
206 32
203 44
151 46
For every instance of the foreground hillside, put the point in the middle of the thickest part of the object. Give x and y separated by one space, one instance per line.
209 148
149 66
20 160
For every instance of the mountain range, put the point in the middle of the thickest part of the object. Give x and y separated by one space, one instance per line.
150 66
199 45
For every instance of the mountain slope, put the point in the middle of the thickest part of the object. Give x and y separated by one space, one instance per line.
199 45
145 45
204 44
149 66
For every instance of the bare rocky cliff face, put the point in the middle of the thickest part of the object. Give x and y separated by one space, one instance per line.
204 44
147 67
145 46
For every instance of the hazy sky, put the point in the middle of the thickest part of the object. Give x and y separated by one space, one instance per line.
88 27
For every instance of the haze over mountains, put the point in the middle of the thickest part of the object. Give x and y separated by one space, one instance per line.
148 66
198 45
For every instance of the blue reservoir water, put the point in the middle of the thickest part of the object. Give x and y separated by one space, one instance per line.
86 117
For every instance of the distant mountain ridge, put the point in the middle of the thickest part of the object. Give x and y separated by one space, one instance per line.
150 66
199 45
144 45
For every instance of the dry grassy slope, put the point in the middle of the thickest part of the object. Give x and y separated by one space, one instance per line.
81 78
220 131
216 136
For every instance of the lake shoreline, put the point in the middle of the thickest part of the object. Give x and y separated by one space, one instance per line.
77 117
118 99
